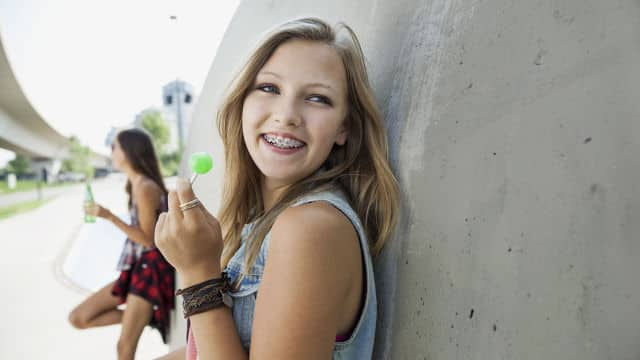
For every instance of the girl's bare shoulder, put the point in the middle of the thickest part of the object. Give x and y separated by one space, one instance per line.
145 188
317 215
314 228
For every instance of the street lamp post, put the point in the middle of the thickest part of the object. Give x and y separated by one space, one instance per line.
179 108
178 95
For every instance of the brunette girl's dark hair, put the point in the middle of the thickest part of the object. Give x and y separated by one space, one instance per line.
138 148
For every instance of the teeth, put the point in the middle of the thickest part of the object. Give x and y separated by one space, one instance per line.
282 142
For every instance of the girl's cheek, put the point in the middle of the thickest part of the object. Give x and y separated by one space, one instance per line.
254 110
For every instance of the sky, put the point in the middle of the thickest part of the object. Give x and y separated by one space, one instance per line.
88 65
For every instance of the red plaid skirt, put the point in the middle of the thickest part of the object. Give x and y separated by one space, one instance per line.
151 278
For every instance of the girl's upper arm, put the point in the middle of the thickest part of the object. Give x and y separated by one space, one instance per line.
147 201
305 281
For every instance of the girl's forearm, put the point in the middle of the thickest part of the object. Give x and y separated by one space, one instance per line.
216 336
180 354
133 233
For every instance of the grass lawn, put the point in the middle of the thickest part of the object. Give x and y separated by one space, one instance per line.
9 211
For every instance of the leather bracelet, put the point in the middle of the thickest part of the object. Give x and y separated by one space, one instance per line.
215 281
205 296
203 302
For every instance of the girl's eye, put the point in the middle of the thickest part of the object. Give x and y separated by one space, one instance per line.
268 88
320 99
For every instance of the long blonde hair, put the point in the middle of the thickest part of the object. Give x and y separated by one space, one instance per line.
360 167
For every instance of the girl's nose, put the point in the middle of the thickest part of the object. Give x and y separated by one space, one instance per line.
287 113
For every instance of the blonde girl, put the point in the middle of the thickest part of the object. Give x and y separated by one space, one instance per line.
309 198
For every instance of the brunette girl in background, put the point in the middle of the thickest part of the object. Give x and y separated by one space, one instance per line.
146 282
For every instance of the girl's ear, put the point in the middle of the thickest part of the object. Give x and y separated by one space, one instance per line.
341 137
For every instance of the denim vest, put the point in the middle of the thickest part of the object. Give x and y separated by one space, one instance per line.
360 344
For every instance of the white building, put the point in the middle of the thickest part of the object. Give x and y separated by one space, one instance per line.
178 99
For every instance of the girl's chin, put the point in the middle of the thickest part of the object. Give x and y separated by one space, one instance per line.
280 176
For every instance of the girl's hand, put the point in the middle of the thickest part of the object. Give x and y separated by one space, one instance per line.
191 240
95 209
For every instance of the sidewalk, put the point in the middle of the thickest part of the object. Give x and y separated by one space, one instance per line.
36 298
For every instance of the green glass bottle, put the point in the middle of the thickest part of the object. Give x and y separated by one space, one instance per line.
88 199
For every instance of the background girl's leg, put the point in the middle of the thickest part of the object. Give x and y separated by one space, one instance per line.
137 315
99 309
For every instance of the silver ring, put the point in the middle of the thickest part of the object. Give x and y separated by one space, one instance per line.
190 204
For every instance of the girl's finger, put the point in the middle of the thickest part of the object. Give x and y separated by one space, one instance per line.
174 206
160 224
211 220
185 194
159 229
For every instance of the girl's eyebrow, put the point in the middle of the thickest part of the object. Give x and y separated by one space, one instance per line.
269 73
316 84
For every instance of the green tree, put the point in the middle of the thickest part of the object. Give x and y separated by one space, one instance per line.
21 165
156 126
170 163
79 158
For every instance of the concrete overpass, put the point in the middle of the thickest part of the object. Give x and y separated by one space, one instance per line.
24 131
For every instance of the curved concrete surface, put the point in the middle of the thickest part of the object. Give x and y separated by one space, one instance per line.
514 132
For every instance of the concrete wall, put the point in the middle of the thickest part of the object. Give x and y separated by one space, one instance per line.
514 129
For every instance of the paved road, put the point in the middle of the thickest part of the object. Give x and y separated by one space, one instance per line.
36 298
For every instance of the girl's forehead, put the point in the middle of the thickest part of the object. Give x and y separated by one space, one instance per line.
306 61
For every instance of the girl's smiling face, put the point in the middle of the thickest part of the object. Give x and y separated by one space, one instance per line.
295 112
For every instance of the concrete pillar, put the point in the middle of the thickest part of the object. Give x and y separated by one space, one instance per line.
514 131
45 169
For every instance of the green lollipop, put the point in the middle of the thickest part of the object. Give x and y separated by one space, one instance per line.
200 163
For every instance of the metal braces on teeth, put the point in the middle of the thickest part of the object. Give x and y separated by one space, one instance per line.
282 142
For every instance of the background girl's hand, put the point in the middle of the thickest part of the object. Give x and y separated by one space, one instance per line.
190 240
95 209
